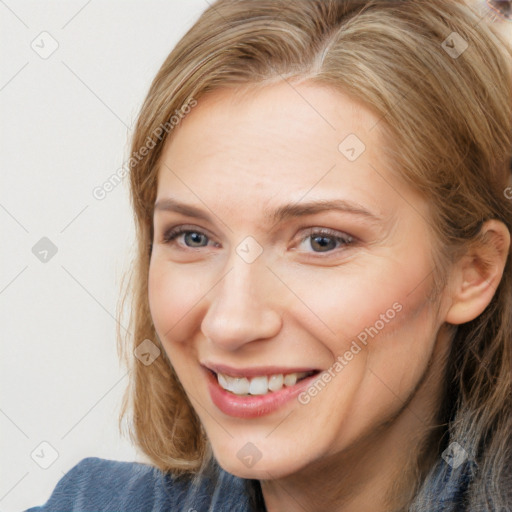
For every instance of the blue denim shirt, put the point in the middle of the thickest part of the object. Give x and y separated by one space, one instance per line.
96 484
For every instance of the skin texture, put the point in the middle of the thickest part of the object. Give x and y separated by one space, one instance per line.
296 305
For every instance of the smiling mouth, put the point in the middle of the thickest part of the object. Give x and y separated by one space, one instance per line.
260 385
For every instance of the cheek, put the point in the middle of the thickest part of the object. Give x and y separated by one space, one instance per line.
394 323
175 302
386 313
174 298
371 304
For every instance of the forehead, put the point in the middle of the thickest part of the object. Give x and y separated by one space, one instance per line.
259 145
282 116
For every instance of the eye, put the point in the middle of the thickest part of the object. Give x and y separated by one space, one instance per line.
192 238
320 240
323 240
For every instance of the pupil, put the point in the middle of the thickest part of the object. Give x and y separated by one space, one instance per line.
323 242
194 237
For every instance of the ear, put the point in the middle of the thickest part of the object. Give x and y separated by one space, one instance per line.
477 274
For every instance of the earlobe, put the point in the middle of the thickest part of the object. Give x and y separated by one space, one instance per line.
476 275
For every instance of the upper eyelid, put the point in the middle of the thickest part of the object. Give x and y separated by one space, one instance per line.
187 227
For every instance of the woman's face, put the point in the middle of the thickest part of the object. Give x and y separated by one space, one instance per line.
302 253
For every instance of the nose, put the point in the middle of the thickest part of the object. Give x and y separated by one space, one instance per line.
243 306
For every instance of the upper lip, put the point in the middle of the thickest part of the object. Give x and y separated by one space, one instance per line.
255 371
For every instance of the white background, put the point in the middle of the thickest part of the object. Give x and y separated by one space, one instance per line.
65 127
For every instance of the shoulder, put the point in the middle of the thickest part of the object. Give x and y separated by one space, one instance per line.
101 484
109 485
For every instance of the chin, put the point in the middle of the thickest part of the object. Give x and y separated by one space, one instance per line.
240 464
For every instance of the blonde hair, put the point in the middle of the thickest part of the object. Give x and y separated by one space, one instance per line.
446 111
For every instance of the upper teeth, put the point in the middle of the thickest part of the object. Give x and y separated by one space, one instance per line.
258 385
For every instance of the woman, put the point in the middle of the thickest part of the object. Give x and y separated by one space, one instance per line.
322 296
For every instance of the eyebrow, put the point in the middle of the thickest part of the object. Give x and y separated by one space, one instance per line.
281 213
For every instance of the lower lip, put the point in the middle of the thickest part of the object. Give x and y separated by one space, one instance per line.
253 406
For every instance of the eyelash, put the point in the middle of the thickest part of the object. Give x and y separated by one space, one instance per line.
345 239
